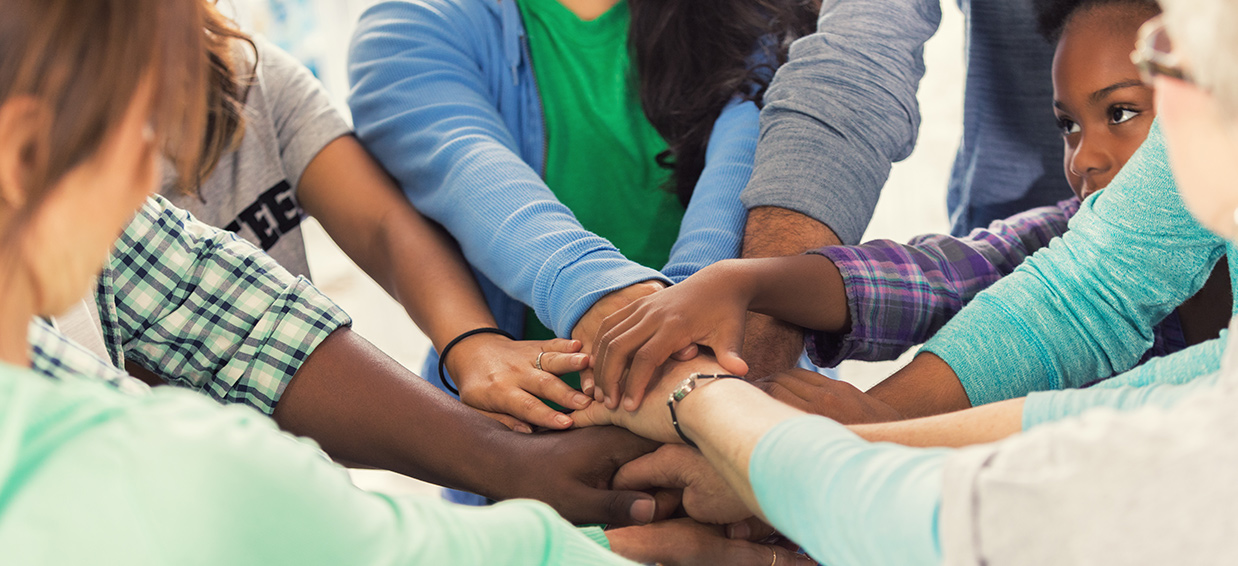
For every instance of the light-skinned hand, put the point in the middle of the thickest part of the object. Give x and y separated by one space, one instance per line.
499 377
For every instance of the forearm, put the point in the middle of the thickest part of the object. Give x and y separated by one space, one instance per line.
978 425
410 257
804 290
771 345
927 386
807 475
361 406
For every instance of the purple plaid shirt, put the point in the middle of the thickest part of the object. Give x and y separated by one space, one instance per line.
899 295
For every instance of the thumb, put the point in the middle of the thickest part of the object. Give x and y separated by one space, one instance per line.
727 349
620 508
656 469
596 414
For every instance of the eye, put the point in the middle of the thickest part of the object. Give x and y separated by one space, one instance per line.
1067 126
1118 115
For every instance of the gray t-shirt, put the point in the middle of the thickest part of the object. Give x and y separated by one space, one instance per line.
288 120
1151 486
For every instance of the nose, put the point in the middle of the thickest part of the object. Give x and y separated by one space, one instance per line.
1092 162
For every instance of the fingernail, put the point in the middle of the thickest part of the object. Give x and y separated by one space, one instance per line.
597 394
629 404
642 510
580 359
524 428
739 531
608 403
563 420
581 400
802 560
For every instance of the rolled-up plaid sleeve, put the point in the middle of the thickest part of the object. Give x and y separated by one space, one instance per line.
206 310
899 295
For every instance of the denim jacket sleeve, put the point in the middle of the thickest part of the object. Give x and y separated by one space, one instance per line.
427 78
841 110
713 226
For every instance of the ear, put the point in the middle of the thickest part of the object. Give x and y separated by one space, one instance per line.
20 135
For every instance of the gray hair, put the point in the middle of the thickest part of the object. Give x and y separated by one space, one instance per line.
1205 32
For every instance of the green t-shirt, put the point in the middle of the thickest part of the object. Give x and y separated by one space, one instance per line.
600 149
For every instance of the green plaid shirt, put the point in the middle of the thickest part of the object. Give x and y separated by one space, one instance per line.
199 307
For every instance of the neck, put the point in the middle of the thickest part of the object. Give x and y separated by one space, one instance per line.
17 300
588 9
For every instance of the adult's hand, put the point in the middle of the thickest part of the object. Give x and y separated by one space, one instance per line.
706 309
706 496
812 392
684 542
500 377
572 471
652 418
586 328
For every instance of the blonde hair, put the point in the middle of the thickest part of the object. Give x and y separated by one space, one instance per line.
1206 33
84 61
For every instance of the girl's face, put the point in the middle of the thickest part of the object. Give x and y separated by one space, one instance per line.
1203 146
1103 109
68 236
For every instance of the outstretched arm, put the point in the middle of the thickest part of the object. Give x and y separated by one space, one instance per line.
837 114
420 266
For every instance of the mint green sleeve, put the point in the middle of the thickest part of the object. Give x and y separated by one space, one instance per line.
1083 309
845 500
1161 382
95 477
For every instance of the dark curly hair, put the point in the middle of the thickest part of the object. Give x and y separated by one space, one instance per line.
1053 15
692 56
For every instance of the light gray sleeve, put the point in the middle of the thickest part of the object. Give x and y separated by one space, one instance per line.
1152 486
304 118
841 110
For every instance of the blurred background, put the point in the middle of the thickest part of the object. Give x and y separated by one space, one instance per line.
318 31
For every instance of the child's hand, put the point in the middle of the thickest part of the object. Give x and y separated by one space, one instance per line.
500 377
708 309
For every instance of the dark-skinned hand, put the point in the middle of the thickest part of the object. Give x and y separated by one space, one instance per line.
812 392
572 472
707 309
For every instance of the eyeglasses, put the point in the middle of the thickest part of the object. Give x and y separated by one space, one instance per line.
1153 54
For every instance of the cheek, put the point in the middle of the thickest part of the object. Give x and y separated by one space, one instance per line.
1075 181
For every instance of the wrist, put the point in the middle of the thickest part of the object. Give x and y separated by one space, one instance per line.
693 409
470 349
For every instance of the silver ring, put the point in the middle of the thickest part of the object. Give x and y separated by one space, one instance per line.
538 363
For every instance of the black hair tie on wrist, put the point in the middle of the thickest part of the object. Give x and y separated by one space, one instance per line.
442 357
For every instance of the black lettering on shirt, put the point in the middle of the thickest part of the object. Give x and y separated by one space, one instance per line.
275 213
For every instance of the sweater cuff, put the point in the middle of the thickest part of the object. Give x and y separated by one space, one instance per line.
595 534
